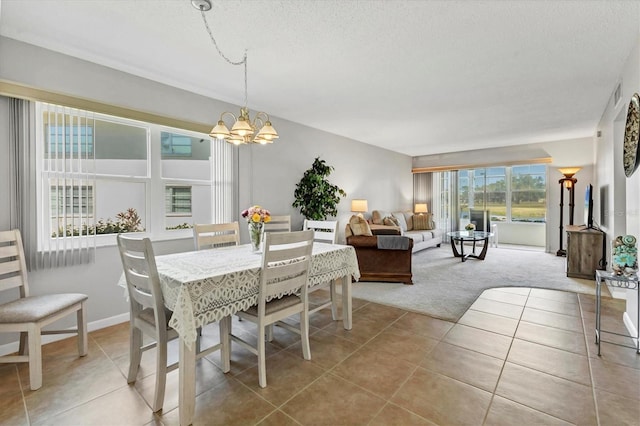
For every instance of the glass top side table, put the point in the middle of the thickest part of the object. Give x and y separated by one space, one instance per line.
630 283
471 236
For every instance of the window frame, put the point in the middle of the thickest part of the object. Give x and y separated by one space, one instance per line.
153 182
172 212
508 176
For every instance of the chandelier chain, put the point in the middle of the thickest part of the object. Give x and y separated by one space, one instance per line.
242 62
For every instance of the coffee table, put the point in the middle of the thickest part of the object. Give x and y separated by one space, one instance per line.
472 236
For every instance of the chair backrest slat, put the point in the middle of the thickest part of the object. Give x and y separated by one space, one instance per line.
9 267
11 282
8 251
278 224
324 230
216 235
286 260
13 269
141 273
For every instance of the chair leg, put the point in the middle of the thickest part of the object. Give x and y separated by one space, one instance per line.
334 300
262 365
304 334
24 349
35 357
199 341
269 332
161 372
225 340
83 344
135 353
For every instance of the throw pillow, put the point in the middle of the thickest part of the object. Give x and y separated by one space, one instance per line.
422 221
359 226
401 220
408 216
391 221
377 216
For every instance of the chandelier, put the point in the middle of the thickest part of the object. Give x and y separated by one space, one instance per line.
244 130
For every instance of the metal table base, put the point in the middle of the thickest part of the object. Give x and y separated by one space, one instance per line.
630 283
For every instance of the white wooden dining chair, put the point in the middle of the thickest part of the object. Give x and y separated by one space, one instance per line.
286 259
148 315
325 231
278 224
28 314
216 235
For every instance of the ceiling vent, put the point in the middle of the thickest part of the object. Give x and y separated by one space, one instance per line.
617 94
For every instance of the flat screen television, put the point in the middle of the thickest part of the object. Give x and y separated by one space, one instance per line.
588 206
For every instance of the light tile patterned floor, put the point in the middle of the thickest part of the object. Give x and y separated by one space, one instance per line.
518 356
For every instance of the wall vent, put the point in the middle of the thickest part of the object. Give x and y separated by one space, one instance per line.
617 94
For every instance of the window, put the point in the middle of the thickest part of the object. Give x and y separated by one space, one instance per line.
528 193
178 200
463 193
495 190
101 174
76 200
175 145
510 194
71 139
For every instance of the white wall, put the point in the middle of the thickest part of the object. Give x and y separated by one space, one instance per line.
268 174
621 203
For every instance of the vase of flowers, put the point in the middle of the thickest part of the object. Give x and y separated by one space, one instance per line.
256 218
470 227
624 256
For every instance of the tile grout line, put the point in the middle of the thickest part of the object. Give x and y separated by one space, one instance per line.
24 400
504 363
586 342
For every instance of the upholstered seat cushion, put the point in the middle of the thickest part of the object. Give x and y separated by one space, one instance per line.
35 308
147 316
276 305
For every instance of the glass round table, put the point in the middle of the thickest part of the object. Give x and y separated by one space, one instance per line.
469 236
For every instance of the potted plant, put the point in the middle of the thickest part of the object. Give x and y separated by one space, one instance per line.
315 196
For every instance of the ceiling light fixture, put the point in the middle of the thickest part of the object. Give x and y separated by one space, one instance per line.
244 129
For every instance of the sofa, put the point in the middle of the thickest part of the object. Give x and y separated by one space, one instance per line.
391 264
404 223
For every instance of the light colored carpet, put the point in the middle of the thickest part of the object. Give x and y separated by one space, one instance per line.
444 287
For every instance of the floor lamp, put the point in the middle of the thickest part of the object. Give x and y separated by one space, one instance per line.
569 182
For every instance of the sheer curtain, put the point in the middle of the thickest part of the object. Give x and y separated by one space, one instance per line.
23 176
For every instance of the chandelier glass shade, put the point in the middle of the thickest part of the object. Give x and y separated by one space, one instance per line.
244 130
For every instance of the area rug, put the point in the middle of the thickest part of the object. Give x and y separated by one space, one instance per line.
444 287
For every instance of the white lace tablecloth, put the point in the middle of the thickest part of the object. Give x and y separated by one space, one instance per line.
204 286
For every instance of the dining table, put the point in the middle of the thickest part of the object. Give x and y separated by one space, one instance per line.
205 286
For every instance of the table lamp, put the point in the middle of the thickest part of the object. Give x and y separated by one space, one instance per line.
359 207
421 208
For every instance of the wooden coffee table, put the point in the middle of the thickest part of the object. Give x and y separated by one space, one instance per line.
471 236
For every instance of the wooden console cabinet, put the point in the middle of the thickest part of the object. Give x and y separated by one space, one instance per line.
584 251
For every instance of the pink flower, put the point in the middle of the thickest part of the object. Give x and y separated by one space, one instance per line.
256 214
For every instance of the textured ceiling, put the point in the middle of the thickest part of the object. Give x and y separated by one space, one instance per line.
416 77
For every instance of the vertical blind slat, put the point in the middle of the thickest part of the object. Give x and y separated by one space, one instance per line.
67 184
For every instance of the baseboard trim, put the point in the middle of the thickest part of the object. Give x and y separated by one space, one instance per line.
12 347
630 327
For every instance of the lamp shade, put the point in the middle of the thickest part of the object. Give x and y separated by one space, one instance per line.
421 208
220 131
359 206
569 171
